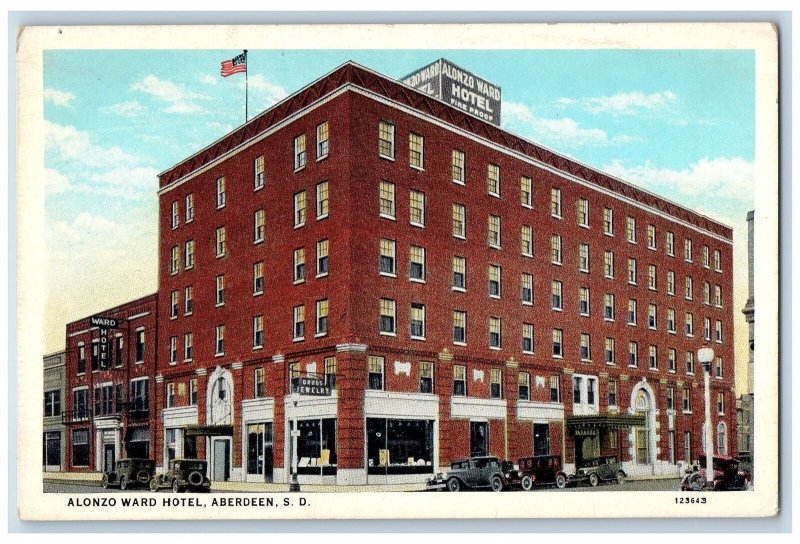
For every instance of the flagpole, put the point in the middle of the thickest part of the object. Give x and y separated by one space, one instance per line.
245 86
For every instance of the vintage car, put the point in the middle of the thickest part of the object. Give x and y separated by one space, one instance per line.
727 476
599 469
183 475
129 473
537 470
472 473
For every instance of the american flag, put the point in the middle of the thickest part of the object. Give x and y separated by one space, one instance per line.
234 66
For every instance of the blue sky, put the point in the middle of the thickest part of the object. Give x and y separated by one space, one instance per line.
678 123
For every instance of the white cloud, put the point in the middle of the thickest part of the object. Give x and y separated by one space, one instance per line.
55 182
86 227
59 98
208 79
179 99
129 183
630 103
220 128
72 145
132 108
551 132
265 93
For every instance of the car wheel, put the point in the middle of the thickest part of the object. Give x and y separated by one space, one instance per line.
696 482
154 485
123 483
526 483
453 485
594 479
497 483
620 477
142 477
175 487
561 481
104 481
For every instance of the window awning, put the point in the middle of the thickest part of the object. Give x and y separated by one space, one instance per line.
208 430
604 421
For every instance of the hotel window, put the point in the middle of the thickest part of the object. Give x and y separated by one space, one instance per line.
174 300
689 324
494 280
299 265
690 362
493 180
258 382
386 140
494 332
459 327
221 244
375 372
300 209
416 321
608 264
652 357
175 260
189 207
80 403
459 221
687 250
671 282
583 257
718 331
555 390
687 402
526 289
220 290
219 340
671 320
299 318
188 340
670 243
583 301
610 355
458 169
672 360
576 389
494 232
221 192
459 380
670 398
717 261
706 257
651 237
591 384
322 317
188 250
555 249
722 438
555 202
721 404
322 258
526 191
706 293
632 271
258 278
633 354
175 215
459 274
527 338
386 263
415 150
495 383
586 347
300 152
417 208
425 377
608 221
630 229
608 307
718 367
173 350
688 290
118 360
386 199
556 299
258 172
524 386
416 265
651 277
583 212
558 343
258 226
187 300
526 241
717 296
612 393
387 321
329 368
193 392
651 316
323 143
258 331
706 328
322 200
95 355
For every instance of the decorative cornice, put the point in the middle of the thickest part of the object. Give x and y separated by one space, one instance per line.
624 377
512 363
201 371
237 365
445 355
569 371
159 378
351 347
278 358
679 383
663 381
603 375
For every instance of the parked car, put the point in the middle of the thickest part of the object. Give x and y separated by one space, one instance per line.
601 469
538 470
472 473
129 473
183 475
727 476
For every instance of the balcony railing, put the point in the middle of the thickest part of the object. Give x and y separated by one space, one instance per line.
71 417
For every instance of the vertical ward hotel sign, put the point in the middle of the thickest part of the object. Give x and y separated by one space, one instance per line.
459 88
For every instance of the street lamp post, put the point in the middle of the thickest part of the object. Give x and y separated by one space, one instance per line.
294 485
705 355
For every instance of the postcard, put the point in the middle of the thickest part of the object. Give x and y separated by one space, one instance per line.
397 271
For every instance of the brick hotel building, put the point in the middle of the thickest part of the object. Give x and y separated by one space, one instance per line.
464 291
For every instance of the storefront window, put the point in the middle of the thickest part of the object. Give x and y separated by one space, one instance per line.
541 439
260 456
399 446
80 448
316 446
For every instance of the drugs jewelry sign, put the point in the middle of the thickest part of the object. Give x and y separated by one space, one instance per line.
104 323
316 387
459 88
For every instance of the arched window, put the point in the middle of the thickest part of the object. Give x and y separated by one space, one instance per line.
722 438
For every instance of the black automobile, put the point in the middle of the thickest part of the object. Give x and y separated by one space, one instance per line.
539 470
130 473
727 476
600 469
183 475
472 473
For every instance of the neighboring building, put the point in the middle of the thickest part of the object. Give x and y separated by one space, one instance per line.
463 290
109 408
745 405
53 437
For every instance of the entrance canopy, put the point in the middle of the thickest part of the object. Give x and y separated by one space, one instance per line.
589 424
208 430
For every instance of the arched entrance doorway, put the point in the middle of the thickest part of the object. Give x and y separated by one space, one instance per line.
643 438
